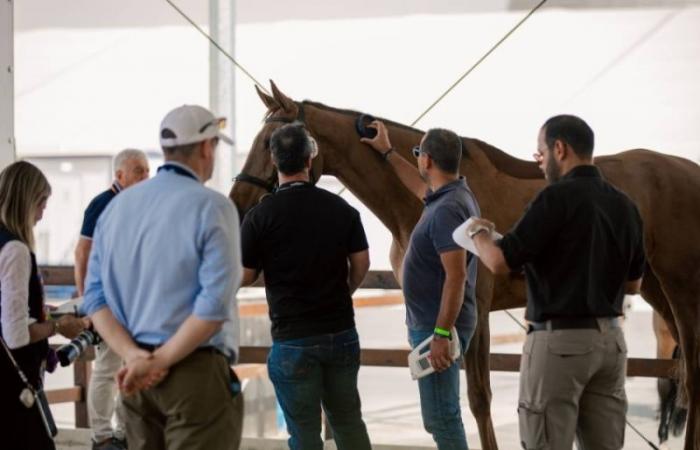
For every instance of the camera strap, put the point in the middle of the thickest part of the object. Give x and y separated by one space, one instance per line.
38 398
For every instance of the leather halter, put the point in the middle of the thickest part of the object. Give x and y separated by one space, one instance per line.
271 185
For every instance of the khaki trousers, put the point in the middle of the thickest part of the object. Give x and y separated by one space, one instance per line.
192 408
102 393
572 386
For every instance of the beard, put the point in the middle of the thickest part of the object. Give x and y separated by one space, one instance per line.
552 172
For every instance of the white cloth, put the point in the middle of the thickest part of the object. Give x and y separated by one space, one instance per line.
15 269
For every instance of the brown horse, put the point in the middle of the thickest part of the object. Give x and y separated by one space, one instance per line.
665 188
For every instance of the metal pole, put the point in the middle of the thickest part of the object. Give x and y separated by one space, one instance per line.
7 90
222 86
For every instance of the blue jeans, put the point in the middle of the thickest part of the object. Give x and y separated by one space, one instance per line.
439 398
317 371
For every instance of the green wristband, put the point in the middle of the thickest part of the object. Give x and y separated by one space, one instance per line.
442 332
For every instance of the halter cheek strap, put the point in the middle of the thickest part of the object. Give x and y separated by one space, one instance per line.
271 185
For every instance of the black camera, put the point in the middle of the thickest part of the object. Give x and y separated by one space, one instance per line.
72 350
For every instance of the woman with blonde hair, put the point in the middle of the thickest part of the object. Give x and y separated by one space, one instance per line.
24 325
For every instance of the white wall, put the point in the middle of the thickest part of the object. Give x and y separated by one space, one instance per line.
7 148
630 72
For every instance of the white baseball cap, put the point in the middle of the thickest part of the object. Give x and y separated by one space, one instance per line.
188 124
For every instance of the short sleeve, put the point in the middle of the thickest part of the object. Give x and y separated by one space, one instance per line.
638 261
543 219
357 239
250 244
92 213
446 219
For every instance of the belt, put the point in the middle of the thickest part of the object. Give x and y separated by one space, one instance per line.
574 323
154 347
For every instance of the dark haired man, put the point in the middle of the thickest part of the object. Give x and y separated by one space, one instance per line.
581 244
311 246
439 281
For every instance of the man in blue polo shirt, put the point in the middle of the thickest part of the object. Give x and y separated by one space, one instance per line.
163 272
130 167
439 280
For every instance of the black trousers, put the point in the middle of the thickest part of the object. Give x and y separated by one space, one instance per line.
21 428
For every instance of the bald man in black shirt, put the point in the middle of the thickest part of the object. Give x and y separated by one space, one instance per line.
580 243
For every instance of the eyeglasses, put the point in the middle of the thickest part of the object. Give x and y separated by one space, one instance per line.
417 151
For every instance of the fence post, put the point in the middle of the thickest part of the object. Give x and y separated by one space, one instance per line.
82 369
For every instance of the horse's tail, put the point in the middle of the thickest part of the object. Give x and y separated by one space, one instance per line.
673 411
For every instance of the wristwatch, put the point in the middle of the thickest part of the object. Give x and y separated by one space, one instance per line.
478 230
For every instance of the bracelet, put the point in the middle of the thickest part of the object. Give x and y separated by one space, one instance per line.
385 155
443 332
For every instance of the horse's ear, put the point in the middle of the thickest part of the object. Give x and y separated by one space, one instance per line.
282 100
268 101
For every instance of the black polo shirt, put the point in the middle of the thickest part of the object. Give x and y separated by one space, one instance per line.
579 241
95 208
301 237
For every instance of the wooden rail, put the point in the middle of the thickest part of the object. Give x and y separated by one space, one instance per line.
63 276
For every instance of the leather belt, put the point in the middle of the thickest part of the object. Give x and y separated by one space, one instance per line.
153 347
574 323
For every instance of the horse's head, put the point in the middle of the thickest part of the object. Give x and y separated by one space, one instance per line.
259 177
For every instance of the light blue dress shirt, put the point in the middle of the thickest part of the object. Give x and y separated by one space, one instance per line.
165 249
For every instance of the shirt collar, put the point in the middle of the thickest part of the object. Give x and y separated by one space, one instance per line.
451 186
116 187
583 171
293 184
184 167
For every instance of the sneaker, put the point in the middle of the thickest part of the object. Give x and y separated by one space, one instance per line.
110 444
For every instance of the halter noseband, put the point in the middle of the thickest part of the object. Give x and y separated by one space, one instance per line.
271 185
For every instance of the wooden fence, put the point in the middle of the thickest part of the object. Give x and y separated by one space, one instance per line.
63 276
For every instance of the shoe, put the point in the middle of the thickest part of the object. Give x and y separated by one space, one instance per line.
110 444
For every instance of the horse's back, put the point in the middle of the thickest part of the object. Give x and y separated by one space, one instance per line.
666 189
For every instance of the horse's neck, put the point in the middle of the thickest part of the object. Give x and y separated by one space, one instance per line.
364 173
492 174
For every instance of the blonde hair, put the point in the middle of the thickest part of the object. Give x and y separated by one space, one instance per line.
23 187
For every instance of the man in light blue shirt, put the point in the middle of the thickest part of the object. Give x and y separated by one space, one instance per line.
160 290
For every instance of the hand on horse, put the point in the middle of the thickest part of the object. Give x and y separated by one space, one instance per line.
440 357
380 142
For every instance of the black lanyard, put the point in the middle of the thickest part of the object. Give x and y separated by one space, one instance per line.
178 170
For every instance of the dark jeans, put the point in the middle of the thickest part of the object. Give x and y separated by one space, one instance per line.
319 371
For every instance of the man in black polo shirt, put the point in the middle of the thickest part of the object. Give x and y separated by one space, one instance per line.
580 243
312 248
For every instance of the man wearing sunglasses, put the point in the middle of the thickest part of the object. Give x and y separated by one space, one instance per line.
439 279
164 269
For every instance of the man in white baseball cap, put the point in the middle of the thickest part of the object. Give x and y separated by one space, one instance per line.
163 273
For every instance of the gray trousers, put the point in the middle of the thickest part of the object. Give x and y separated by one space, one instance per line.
572 387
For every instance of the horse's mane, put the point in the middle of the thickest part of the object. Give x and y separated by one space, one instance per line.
501 160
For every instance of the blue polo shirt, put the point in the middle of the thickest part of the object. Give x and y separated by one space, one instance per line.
95 208
423 273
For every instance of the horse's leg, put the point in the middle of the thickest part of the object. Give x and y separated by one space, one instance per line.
665 343
476 361
684 295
